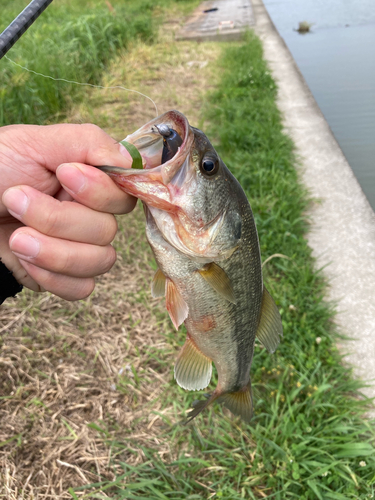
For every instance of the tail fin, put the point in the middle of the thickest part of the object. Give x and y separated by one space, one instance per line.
240 403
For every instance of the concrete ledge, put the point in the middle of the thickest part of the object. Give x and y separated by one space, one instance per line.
342 233
227 21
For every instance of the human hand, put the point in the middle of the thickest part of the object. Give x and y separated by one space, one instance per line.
47 240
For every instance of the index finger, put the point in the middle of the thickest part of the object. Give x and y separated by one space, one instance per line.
94 188
52 145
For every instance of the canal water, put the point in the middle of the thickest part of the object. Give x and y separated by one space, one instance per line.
337 60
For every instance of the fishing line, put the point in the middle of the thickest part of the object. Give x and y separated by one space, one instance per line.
83 84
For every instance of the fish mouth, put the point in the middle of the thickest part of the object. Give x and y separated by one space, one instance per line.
149 140
151 184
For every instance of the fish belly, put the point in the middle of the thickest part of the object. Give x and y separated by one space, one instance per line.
222 331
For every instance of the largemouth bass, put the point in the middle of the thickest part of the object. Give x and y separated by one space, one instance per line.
201 229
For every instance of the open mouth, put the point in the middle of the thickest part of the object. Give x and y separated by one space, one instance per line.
161 140
164 145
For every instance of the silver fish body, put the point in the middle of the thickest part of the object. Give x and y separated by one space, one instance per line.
202 231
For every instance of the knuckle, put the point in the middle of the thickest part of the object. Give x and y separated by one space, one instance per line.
109 258
43 278
108 230
92 129
97 136
65 262
51 222
83 288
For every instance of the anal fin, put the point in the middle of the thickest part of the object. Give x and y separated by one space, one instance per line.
240 403
270 327
193 369
176 306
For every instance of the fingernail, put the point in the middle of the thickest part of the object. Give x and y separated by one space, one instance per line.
71 177
24 245
16 201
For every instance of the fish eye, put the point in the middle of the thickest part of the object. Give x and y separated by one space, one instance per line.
209 166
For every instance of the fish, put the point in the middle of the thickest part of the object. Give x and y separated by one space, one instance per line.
202 232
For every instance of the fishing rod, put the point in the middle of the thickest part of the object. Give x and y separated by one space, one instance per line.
21 23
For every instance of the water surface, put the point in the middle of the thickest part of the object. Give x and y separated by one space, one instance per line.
337 60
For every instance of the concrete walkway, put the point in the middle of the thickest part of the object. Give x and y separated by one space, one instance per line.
342 233
216 20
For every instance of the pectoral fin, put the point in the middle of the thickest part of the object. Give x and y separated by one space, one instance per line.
176 306
192 369
218 279
270 328
158 284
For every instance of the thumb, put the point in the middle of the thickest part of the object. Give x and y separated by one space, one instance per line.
107 152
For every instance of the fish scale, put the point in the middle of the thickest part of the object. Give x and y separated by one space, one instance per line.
201 229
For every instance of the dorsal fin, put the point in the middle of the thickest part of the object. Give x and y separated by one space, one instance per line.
218 279
176 306
270 328
192 369
158 284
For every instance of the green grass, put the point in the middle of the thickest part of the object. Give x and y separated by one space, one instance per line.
74 40
309 418
309 438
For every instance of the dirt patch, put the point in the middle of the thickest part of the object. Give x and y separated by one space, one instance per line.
175 75
77 376
66 367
